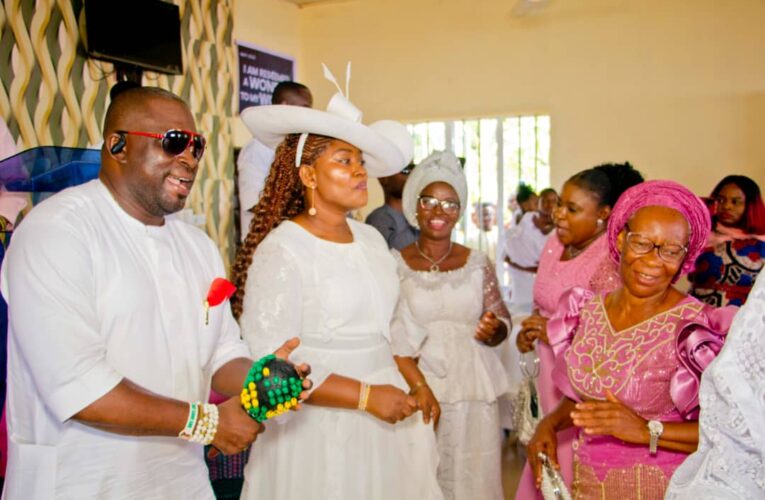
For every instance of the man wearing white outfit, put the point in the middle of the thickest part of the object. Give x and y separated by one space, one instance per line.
110 342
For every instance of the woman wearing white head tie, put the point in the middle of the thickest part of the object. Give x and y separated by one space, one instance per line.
448 322
307 270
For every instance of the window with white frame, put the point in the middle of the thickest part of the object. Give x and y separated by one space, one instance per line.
498 154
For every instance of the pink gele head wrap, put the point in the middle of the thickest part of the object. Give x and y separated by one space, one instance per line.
668 194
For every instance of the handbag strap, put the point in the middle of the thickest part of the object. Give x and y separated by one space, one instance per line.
533 372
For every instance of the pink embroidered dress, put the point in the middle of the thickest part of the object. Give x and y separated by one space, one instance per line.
653 367
592 269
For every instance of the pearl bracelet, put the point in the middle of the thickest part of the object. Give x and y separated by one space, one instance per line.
207 425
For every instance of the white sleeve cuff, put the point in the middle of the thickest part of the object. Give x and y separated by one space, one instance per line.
77 394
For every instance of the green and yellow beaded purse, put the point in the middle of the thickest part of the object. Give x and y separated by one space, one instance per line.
272 387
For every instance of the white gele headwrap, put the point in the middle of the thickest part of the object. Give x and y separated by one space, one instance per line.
339 105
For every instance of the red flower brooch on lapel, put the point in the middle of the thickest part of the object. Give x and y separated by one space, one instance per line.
220 290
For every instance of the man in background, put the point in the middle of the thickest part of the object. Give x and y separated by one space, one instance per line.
389 218
255 159
484 218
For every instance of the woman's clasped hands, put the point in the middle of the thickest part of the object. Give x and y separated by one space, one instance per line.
390 404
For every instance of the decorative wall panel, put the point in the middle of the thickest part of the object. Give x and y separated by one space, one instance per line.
53 94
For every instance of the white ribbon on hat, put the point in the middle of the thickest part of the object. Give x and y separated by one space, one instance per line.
339 105
300 146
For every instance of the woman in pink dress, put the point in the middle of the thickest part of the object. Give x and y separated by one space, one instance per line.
575 255
629 362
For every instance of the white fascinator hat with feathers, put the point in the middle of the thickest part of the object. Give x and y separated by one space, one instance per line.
386 145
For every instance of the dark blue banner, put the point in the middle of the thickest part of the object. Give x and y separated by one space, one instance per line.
259 72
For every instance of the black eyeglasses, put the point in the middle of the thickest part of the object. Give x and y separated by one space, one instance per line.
668 252
175 142
430 203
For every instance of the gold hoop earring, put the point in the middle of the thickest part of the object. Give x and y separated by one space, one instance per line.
312 210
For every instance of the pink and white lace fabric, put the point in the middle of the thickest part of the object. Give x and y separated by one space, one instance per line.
730 460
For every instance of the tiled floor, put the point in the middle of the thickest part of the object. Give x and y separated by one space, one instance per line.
512 465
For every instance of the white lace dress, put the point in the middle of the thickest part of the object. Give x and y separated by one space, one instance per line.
435 321
339 299
730 460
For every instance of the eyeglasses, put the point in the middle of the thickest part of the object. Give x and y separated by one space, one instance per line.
407 170
670 253
175 142
430 203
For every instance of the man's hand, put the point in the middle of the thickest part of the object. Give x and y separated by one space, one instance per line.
236 429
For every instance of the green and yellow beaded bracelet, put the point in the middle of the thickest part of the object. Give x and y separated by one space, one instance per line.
272 387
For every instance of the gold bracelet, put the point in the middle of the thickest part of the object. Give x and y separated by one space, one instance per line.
419 385
364 396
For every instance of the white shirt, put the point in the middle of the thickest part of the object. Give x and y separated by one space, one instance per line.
94 296
524 242
254 163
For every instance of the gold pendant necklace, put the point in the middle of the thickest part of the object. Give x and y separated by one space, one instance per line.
434 264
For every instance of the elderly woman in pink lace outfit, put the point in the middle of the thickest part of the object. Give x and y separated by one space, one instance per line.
629 362
575 255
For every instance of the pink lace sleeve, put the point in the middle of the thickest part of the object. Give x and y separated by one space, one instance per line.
699 341
606 277
561 328
492 297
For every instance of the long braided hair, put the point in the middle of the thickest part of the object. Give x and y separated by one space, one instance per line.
283 197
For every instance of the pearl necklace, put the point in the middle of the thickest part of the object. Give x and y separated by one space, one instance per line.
434 268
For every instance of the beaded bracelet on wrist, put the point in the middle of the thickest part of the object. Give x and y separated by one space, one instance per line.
202 423
207 426
191 422
272 387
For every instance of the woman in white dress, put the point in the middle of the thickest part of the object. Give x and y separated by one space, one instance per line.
448 323
307 270
523 246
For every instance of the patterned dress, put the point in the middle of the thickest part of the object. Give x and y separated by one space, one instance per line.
653 367
725 272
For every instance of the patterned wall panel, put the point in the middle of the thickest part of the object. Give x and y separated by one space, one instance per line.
52 93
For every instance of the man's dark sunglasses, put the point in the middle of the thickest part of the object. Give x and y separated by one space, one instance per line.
175 142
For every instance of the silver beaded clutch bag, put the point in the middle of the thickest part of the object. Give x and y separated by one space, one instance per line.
553 486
